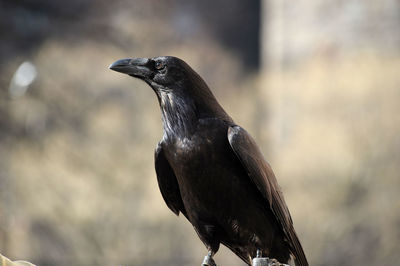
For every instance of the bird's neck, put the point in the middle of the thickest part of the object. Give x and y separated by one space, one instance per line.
178 115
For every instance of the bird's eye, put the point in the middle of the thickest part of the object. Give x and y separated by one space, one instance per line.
159 65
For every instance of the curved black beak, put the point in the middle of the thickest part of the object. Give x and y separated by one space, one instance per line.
136 67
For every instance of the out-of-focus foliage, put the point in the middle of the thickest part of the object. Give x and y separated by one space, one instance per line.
77 181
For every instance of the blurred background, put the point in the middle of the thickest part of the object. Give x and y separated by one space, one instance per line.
317 83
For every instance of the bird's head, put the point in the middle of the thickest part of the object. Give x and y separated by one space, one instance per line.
165 73
182 93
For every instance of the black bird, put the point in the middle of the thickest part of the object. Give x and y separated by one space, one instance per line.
211 170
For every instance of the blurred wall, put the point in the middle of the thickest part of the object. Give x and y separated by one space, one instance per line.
332 84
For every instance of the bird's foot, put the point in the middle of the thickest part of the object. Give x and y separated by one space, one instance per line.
275 262
208 260
258 261
265 261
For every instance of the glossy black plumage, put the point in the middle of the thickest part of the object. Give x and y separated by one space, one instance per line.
211 170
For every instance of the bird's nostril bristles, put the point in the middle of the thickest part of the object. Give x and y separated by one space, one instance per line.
139 61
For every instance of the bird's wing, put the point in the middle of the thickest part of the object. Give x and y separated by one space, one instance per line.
261 174
167 182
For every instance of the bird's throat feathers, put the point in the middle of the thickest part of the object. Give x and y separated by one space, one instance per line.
178 115
181 112
187 101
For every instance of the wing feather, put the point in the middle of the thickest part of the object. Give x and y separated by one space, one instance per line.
167 182
261 174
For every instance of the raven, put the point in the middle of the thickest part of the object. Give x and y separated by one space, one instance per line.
211 170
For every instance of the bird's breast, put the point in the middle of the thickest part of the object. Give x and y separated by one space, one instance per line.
215 188
206 169
199 152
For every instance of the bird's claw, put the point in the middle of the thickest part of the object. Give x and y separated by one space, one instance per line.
208 260
265 261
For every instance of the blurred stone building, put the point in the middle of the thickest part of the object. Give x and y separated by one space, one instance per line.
297 31
330 81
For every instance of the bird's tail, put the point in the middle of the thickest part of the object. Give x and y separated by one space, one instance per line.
298 253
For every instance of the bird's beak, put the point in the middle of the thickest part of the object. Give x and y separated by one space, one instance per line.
136 67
